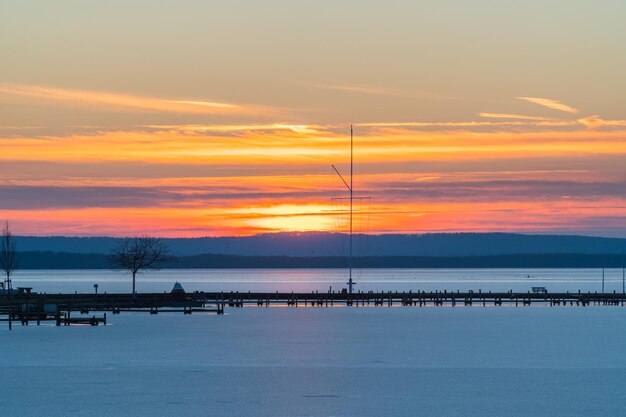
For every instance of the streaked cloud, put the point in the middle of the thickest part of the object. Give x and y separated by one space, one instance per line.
471 124
205 103
239 128
385 91
428 124
422 179
551 104
514 116
120 101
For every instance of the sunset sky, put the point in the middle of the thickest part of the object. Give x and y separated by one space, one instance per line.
201 118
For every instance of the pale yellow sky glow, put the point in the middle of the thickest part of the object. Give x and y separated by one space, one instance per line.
466 117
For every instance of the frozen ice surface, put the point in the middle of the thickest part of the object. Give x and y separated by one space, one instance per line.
321 279
377 361
435 361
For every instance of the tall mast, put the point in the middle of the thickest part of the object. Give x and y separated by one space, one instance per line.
349 186
350 283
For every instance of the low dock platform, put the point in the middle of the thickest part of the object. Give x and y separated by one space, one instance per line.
29 307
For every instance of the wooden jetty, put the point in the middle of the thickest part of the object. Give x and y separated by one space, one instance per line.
36 307
27 307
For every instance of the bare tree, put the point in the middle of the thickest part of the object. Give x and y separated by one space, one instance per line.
140 254
8 255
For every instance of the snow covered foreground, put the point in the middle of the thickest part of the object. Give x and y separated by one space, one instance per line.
401 361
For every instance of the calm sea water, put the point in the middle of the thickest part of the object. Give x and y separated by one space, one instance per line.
323 279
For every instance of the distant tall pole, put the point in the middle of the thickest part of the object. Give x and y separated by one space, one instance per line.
623 280
350 188
602 280
350 283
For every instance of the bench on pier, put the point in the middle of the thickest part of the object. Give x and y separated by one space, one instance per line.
539 290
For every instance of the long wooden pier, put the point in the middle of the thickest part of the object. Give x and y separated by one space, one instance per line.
417 298
37 307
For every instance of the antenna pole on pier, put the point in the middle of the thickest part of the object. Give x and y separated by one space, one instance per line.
350 282
350 188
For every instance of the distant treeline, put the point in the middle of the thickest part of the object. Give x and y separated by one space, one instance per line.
65 260
329 244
